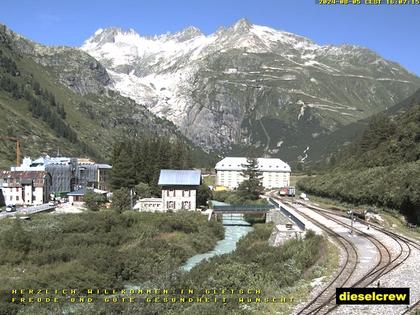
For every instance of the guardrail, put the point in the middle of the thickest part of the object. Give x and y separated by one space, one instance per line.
242 208
298 222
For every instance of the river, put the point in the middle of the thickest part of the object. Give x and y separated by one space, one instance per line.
233 234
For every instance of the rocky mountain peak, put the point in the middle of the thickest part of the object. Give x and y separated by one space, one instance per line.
108 35
206 85
188 33
242 25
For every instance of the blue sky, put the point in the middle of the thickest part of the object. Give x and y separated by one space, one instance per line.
392 31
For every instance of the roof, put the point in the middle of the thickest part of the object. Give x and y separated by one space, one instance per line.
180 177
104 166
264 164
150 200
45 160
79 192
23 175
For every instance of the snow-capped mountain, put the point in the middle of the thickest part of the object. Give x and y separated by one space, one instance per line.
249 84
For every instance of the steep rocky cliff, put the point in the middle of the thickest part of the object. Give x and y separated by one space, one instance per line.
249 84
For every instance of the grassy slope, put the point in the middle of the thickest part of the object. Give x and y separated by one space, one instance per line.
37 136
277 271
380 168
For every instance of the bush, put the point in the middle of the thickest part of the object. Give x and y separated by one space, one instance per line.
94 201
121 200
99 249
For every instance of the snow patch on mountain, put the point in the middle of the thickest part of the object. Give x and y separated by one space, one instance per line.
206 84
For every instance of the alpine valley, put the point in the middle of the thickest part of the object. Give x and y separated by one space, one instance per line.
242 85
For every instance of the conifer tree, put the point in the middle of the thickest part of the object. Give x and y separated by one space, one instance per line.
123 169
251 188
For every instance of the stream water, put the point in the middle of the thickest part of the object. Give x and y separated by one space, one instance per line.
235 228
233 233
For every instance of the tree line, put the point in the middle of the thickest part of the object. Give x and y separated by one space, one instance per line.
136 161
54 117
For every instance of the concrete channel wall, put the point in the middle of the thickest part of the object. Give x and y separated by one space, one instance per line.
288 214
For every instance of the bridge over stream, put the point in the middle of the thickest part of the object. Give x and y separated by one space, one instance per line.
234 214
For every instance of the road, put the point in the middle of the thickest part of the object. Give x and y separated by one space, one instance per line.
27 210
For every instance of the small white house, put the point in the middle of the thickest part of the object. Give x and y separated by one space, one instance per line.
179 189
149 205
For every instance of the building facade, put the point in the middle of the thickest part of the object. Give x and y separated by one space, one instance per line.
69 174
149 205
275 172
91 174
61 169
26 188
179 189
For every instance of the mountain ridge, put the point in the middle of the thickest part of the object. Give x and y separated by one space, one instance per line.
218 88
242 85
48 111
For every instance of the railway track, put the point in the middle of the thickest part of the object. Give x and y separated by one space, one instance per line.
402 241
389 265
340 279
324 302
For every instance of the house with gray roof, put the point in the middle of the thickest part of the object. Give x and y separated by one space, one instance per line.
179 189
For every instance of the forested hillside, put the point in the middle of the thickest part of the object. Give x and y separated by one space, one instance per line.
381 167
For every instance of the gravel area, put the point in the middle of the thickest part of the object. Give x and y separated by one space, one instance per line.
76 207
406 275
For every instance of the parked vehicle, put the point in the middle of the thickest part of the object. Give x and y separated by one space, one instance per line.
10 208
303 196
283 191
289 191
